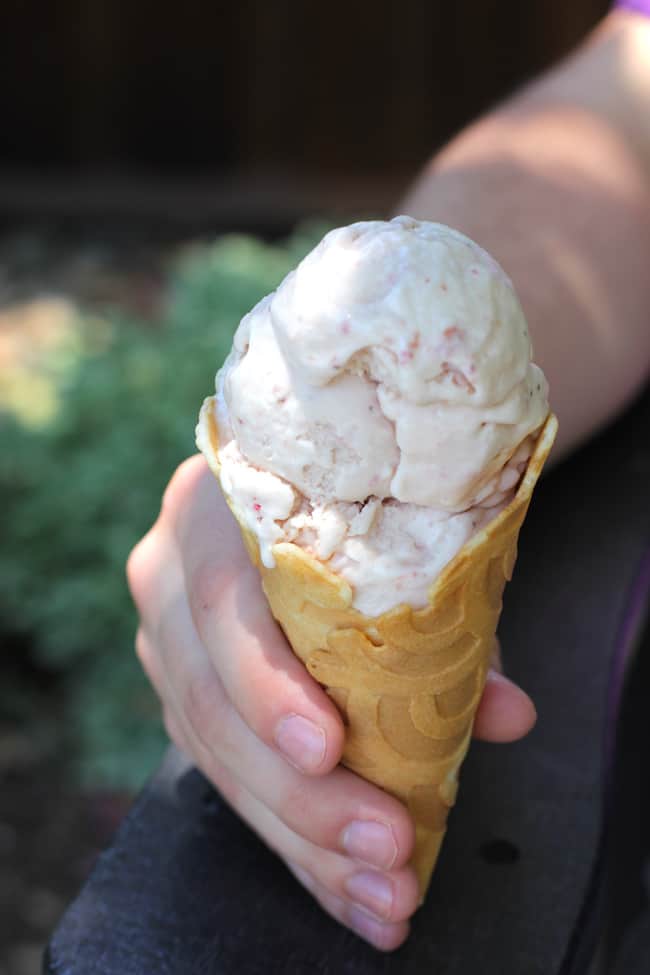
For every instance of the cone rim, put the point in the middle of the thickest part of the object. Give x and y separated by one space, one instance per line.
209 445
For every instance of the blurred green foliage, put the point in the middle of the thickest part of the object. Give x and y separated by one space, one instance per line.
81 480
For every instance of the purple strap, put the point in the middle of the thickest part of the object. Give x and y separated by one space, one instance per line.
639 6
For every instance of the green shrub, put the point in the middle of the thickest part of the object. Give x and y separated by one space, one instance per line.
81 481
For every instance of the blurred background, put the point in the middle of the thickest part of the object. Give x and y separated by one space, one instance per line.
161 167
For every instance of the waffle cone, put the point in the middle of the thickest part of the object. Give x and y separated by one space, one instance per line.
408 682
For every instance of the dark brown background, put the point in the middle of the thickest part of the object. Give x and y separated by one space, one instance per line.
284 99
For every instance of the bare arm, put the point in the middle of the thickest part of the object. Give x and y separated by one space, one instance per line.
556 184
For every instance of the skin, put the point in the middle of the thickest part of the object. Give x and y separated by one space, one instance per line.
556 185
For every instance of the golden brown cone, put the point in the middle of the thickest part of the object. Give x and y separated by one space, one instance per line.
408 682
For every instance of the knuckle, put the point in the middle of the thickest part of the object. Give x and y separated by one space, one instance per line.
313 863
207 584
133 567
226 783
140 571
181 484
145 653
199 705
143 649
172 727
298 810
206 711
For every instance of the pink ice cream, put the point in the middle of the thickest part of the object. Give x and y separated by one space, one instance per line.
380 406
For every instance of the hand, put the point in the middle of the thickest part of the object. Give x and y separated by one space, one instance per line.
239 703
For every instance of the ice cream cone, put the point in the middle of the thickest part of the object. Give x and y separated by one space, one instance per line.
408 682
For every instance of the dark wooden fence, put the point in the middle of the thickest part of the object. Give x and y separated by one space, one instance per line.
342 85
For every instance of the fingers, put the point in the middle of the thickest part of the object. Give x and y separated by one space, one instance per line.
154 574
243 707
339 812
268 685
382 935
266 682
506 713
351 839
389 896
375 904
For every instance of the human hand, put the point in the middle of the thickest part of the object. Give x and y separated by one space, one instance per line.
239 703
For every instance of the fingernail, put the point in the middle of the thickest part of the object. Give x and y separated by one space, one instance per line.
497 677
301 742
372 842
365 926
372 891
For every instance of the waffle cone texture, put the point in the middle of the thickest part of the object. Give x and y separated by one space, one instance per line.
408 682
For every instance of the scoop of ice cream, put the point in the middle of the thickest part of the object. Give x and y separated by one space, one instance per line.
394 361
391 374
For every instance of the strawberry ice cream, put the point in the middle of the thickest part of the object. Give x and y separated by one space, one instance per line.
379 407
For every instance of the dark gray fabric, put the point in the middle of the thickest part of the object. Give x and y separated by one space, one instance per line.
186 888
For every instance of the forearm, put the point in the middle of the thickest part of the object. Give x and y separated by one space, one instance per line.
609 77
556 184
